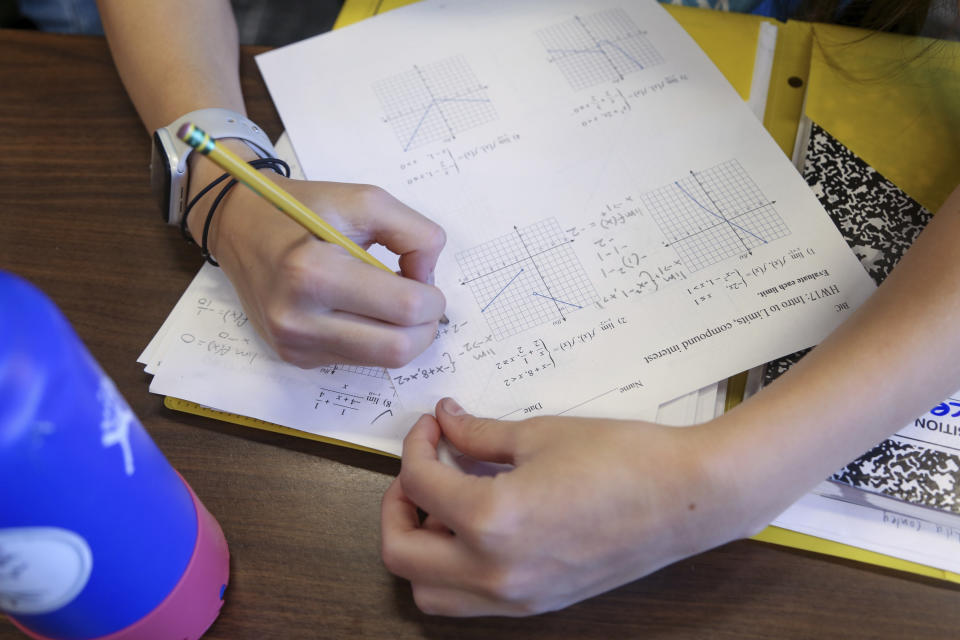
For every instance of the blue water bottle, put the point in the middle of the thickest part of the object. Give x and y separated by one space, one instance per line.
99 535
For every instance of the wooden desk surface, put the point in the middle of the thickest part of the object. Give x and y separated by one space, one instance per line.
301 518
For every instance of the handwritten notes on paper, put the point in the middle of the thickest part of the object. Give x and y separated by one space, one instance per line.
621 229
604 225
612 244
211 355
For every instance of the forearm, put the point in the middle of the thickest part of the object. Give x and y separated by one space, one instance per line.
174 56
897 356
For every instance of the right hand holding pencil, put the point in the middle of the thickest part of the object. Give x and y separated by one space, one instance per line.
310 300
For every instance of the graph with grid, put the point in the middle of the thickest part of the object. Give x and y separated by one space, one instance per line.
711 215
372 372
526 278
602 47
434 102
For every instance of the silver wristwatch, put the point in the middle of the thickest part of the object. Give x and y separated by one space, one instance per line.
169 177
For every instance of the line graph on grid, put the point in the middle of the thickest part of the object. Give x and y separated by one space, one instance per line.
526 278
370 372
714 214
602 47
434 102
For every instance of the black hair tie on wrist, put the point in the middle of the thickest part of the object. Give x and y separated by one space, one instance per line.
278 165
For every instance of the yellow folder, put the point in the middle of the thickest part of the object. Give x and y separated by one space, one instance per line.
892 100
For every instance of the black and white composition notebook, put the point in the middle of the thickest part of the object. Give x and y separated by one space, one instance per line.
915 472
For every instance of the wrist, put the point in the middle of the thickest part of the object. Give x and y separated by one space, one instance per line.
170 158
202 172
767 458
737 477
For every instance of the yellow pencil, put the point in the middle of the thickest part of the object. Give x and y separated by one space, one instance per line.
278 197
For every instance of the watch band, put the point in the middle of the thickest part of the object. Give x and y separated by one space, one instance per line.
219 123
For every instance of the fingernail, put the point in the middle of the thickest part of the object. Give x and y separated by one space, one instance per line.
450 406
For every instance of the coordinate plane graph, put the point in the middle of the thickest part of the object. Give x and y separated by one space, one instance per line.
372 372
711 215
601 47
526 278
434 102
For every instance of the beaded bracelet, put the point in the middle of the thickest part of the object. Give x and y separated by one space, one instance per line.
278 165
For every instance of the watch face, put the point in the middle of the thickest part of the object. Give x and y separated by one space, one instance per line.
160 176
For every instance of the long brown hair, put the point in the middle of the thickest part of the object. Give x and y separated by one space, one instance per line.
906 17
899 16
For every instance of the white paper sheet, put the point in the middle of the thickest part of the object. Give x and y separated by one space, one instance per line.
621 230
881 531
211 355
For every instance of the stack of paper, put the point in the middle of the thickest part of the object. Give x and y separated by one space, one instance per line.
621 229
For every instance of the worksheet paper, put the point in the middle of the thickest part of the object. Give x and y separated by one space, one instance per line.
620 228
210 354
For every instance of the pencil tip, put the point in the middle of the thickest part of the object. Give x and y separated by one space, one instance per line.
444 319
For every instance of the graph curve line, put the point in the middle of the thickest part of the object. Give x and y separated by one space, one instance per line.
557 300
501 291
717 215
419 124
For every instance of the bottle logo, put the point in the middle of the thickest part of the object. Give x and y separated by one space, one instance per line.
42 569
115 422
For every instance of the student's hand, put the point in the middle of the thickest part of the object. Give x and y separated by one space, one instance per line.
312 301
590 505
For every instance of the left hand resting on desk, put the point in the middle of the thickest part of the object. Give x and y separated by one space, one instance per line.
590 505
